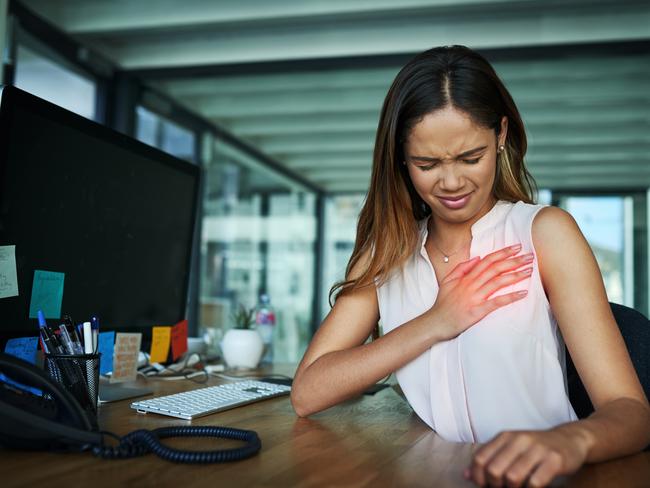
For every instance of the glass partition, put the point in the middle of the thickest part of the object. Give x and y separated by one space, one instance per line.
259 232
341 216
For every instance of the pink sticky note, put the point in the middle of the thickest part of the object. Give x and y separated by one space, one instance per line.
179 339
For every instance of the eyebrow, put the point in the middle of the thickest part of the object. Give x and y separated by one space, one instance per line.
437 160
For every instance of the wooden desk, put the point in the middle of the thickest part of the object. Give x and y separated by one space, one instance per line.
373 441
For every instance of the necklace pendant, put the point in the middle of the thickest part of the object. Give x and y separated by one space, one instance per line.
446 259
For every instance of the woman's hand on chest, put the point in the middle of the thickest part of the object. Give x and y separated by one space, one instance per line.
463 295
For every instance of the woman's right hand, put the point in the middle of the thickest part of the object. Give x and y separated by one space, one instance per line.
463 295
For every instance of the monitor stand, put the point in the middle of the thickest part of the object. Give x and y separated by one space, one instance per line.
115 392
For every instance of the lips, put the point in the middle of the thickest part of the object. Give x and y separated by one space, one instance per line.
455 202
454 199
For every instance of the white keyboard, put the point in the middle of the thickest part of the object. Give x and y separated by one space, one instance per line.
203 401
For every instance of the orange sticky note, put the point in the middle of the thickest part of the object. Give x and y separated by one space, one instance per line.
125 359
160 337
179 339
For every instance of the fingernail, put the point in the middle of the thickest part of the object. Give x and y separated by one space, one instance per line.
529 257
527 271
522 293
516 247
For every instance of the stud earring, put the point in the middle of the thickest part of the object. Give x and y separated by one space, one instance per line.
502 148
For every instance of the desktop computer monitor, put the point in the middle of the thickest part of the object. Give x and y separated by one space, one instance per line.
112 214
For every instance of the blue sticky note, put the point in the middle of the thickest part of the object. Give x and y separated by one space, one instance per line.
106 345
23 348
47 294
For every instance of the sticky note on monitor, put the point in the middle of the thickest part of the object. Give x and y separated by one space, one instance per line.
125 357
106 346
160 339
179 339
23 348
47 294
8 277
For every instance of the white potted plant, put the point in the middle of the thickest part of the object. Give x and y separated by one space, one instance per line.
242 345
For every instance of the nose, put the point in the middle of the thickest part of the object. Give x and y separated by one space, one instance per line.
451 178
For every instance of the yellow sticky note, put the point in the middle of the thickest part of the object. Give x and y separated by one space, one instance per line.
160 339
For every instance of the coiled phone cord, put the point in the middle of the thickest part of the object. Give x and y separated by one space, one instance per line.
141 442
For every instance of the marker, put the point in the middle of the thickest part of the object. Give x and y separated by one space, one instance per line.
88 338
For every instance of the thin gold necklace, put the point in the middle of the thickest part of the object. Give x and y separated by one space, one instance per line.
445 255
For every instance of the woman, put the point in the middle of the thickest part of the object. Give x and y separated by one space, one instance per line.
477 289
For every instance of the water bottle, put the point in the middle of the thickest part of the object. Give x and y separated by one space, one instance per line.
265 322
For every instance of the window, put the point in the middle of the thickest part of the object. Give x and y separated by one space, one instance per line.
54 81
606 222
164 134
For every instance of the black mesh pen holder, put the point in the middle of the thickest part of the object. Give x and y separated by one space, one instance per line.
79 375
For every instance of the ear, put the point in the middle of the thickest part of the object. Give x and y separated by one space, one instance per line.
503 132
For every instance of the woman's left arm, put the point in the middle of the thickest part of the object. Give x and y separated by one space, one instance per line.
620 424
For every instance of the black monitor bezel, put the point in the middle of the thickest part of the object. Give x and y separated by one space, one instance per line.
12 97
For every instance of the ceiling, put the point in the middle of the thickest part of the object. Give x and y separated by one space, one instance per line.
303 81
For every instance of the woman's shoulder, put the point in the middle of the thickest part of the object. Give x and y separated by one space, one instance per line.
556 236
523 207
528 213
553 219
550 222
543 219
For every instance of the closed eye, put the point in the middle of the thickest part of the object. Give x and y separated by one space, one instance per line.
427 168
434 164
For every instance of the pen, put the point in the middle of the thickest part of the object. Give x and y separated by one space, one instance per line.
42 324
94 323
72 334
67 342
56 341
80 332
47 343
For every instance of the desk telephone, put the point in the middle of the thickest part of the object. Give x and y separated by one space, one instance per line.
54 420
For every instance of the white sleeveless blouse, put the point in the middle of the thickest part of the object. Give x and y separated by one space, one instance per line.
507 371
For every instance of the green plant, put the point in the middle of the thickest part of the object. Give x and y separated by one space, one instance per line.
243 318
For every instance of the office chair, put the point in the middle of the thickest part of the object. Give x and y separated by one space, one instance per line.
635 329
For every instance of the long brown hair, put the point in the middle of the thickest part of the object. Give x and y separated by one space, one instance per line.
454 76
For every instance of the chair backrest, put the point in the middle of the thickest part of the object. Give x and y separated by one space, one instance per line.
635 329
